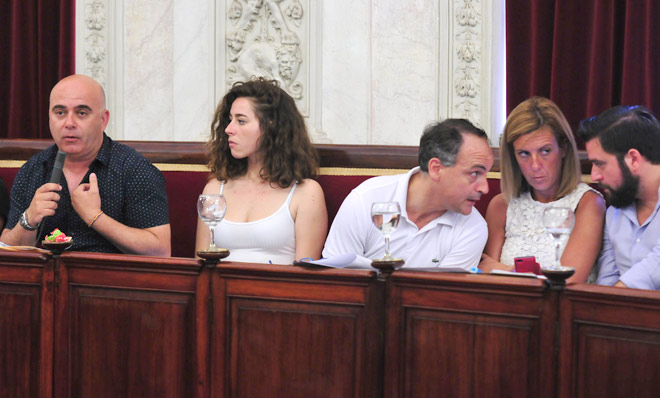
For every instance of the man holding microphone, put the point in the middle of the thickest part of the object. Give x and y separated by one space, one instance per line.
110 198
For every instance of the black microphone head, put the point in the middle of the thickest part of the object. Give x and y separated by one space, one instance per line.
59 158
57 167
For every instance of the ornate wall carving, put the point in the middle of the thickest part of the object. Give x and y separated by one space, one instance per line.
467 74
95 38
191 52
269 38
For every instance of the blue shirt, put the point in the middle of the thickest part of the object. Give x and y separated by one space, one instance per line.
631 252
132 192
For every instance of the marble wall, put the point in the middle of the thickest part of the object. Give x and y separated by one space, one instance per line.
362 71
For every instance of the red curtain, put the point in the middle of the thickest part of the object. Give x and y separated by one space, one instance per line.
37 48
585 55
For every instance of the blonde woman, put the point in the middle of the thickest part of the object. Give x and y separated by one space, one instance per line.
540 168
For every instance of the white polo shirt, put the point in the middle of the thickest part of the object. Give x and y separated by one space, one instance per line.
451 240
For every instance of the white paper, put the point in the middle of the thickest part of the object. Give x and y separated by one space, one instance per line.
520 274
455 270
344 261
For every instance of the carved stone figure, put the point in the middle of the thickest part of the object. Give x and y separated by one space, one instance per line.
288 63
258 59
262 43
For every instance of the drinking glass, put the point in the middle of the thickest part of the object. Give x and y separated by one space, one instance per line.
211 209
385 216
558 221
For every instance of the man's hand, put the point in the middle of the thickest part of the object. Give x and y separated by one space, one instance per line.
86 200
43 203
620 284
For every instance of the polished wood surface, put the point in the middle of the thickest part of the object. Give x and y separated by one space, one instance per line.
126 326
469 336
369 156
101 325
352 156
26 321
611 339
284 331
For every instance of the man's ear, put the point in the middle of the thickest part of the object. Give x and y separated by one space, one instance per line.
435 168
633 160
105 118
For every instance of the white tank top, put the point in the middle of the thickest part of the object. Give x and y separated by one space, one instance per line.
269 240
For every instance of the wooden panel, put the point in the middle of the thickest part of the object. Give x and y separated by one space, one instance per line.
360 156
367 156
135 326
19 340
26 297
469 355
130 343
298 350
468 336
128 326
284 331
610 342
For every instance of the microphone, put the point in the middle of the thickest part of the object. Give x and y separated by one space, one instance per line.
55 177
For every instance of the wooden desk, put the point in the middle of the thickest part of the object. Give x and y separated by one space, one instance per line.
610 342
283 331
105 325
469 336
130 326
26 324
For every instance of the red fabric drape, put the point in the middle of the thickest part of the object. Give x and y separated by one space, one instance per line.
37 48
585 55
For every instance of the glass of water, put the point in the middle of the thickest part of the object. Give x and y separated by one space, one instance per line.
558 222
211 209
385 216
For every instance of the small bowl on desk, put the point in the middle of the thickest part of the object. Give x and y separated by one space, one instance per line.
57 247
213 255
387 265
557 277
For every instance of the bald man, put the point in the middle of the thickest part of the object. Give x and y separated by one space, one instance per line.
111 199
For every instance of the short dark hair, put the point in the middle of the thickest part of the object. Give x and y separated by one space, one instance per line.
443 140
622 128
288 151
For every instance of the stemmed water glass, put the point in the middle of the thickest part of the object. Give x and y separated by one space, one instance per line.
558 222
211 209
385 216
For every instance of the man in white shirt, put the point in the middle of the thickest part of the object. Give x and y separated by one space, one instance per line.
438 226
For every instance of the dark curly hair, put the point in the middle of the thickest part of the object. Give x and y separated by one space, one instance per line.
288 152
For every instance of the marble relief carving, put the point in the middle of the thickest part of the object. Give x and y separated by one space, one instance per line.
95 41
263 38
468 52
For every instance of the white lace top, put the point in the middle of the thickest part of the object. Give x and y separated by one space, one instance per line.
524 233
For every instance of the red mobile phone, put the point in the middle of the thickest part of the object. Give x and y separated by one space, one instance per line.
527 264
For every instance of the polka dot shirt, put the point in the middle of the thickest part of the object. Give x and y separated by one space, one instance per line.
132 192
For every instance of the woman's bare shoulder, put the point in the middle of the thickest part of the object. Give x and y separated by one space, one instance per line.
497 203
212 186
592 200
496 209
310 187
309 194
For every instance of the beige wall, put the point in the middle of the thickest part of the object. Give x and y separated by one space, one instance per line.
362 71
